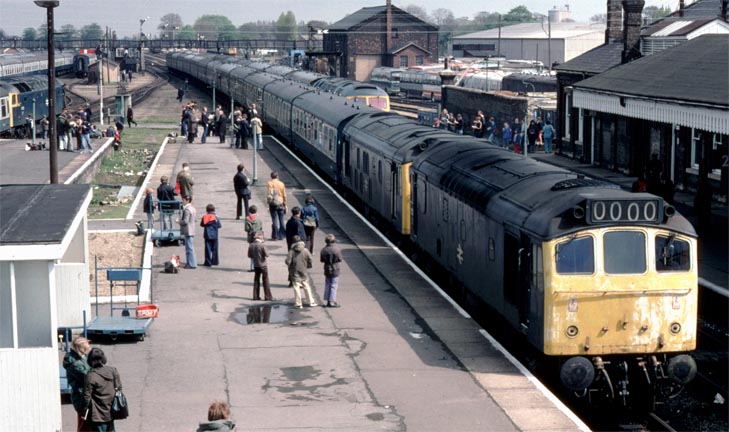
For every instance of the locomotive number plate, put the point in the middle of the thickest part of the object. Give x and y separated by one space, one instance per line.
624 211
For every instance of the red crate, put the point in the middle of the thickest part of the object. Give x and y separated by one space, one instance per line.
147 311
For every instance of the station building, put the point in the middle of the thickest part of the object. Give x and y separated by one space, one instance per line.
618 110
44 284
379 36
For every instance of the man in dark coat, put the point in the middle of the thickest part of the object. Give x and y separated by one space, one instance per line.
258 253
165 192
130 116
242 193
331 256
295 227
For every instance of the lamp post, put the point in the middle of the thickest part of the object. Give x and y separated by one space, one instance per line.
141 44
49 5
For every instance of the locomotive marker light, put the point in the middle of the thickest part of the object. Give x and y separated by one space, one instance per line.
53 145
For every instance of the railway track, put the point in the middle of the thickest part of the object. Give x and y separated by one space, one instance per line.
76 101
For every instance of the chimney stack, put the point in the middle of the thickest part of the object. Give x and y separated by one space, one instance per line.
681 6
614 29
388 24
632 20
723 9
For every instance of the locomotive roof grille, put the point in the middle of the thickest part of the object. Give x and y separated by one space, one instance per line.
583 182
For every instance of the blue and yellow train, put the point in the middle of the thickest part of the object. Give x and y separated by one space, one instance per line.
602 281
18 98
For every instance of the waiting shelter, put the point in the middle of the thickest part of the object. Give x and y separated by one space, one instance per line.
44 284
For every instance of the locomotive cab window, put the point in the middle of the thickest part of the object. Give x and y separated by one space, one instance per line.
672 254
624 252
576 256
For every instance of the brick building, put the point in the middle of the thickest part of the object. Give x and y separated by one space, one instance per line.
379 36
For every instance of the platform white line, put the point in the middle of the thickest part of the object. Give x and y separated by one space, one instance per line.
544 390
714 287
140 194
91 160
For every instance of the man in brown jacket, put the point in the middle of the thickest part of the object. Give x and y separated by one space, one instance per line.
258 253
299 262
276 199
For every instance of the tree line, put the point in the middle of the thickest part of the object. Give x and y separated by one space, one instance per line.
219 27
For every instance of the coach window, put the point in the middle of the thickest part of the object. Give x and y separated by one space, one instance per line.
672 254
624 252
576 256
358 159
379 171
492 249
445 209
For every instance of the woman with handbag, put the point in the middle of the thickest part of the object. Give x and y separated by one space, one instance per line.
103 385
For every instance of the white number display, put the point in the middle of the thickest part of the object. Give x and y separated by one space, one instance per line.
623 211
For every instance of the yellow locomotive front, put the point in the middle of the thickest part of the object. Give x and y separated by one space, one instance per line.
623 288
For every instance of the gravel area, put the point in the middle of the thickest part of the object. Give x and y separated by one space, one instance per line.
114 249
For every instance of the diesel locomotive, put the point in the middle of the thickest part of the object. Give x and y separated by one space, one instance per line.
601 281
18 96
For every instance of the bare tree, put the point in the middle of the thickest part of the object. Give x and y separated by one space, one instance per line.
417 11
169 24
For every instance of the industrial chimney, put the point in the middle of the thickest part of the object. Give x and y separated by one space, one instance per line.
681 6
614 29
388 25
632 11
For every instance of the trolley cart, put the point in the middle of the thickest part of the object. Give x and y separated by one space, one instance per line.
124 323
168 230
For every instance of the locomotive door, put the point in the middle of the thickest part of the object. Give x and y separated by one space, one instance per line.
517 274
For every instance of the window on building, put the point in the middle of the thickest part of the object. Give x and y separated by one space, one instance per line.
718 156
419 60
404 61
393 33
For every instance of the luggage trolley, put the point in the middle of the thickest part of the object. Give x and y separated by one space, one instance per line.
124 323
168 232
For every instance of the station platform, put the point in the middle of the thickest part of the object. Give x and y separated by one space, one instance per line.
396 356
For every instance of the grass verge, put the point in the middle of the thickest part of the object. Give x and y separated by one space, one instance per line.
126 167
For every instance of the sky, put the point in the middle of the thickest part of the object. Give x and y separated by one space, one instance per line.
124 15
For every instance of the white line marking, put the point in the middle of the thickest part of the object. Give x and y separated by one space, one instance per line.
140 194
91 160
714 287
549 395
538 384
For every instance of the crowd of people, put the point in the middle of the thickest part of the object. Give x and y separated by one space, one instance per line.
299 231
508 135
247 126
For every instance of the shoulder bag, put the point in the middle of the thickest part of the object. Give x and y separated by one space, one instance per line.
119 407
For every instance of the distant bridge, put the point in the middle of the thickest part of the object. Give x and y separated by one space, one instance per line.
242 44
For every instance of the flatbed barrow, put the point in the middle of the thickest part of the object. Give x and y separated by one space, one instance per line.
124 324
114 326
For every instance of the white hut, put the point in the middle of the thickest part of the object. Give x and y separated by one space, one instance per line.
43 282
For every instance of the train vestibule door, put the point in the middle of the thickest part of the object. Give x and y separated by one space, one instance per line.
517 275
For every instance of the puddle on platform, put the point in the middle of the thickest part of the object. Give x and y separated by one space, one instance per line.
263 314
